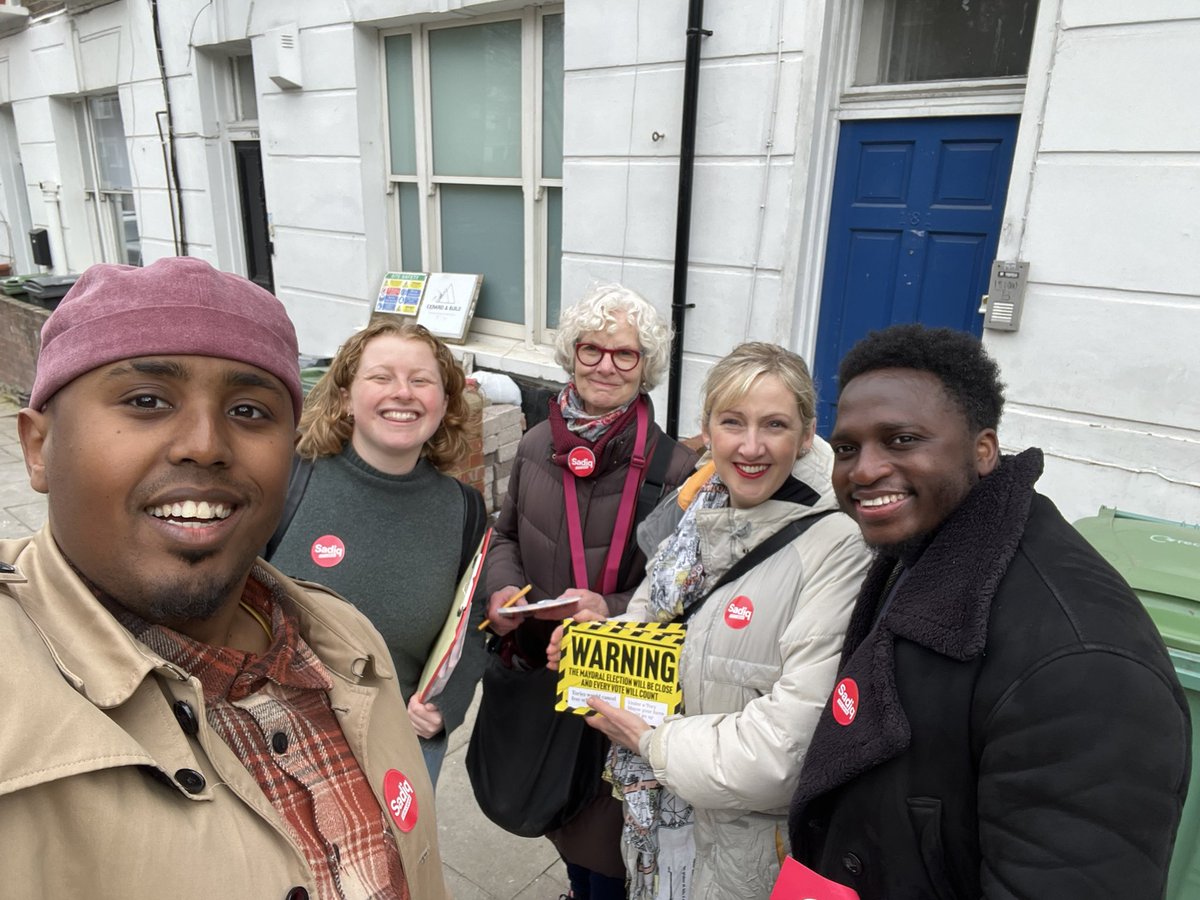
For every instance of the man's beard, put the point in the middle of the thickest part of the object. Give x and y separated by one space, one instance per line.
949 495
908 551
186 599
192 598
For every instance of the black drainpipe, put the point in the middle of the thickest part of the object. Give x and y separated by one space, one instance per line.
683 220
181 245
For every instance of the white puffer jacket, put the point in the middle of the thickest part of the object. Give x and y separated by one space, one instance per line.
758 665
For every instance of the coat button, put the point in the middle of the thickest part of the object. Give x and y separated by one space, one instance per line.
297 893
279 742
186 717
190 780
852 864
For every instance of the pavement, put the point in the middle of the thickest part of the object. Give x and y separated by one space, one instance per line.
481 861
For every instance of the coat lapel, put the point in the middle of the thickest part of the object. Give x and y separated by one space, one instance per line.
943 605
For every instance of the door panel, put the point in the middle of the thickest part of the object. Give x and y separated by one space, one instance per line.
256 233
913 229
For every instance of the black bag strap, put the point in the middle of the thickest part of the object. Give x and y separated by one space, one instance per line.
474 516
766 549
654 486
302 468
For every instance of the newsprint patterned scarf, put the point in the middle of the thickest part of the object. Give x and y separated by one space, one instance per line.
657 841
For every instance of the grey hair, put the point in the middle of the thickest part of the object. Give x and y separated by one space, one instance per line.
595 312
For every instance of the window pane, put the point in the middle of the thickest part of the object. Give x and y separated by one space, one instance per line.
931 40
552 96
482 232
553 255
112 159
398 52
127 229
475 83
247 99
85 150
410 227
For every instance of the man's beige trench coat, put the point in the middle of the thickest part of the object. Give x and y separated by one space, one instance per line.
95 769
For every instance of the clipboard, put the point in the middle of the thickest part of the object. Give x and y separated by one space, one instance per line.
447 649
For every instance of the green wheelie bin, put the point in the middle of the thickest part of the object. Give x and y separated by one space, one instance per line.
1161 561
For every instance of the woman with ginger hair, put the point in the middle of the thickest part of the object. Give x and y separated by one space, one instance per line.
379 521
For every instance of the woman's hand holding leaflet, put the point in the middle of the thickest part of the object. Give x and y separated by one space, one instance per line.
554 648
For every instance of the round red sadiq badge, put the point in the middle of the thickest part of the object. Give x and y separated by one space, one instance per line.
845 701
328 550
582 462
401 800
739 612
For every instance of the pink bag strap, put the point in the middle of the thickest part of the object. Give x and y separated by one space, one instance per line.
625 512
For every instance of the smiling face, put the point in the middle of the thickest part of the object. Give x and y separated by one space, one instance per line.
165 476
398 401
904 457
756 441
603 387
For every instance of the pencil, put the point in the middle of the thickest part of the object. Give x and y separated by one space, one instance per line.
511 600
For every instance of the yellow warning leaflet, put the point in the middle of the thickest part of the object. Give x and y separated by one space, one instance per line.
630 665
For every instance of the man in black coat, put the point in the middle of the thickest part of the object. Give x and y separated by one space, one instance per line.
1006 721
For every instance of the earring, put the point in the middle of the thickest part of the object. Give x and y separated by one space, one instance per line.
349 417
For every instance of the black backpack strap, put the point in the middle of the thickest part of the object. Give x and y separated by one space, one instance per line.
654 488
767 548
302 468
654 484
474 521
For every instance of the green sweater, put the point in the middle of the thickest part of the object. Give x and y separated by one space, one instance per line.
391 545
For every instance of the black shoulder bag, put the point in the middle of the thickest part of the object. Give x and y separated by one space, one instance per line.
302 468
767 548
534 769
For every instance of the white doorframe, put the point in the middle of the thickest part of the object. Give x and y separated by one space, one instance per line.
837 100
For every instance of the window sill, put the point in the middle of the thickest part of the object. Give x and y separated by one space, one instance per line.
511 356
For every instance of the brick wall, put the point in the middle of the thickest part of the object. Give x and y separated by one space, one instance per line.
503 426
20 337
470 469
494 432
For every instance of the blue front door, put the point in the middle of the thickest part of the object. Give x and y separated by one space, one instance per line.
912 232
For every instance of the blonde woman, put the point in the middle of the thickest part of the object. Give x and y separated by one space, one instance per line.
379 521
754 556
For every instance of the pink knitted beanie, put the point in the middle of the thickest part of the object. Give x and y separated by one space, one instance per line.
178 306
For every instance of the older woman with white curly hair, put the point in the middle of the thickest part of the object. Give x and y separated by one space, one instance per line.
567 525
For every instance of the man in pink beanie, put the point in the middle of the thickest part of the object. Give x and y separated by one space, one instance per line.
179 717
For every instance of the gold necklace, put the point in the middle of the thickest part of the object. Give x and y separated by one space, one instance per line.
258 617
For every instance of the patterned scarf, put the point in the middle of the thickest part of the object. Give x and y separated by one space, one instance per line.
657 838
590 428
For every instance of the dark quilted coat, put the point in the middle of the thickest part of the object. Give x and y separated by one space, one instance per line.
530 543
530 546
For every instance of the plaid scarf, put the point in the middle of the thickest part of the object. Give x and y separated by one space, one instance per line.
657 835
316 784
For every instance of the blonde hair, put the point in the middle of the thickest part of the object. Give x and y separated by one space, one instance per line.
732 377
324 427
595 311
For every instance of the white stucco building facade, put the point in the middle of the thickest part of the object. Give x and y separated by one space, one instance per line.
349 130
